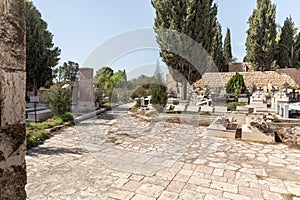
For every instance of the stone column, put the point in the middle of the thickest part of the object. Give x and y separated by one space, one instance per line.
184 89
12 100
86 90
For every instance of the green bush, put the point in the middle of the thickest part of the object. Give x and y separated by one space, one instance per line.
67 117
60 100
236 85
36 137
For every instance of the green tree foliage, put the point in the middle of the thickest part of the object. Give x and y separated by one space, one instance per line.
60 99
227 48
41 55
217 49
107 81
158 90
288 45
236 85
261 36
194 18
67 72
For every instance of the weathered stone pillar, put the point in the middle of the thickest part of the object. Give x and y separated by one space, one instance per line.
86 90
12 99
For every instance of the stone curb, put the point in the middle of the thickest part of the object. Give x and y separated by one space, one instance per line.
89 115
142 117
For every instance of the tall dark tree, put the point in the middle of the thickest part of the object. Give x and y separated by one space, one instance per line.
261 36
217 48
41 55
288 45
227 48
195 19
67 72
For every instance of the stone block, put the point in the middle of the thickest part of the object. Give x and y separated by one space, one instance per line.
192 109
243 100
207 109
41 115
220 109
253 134
12 97
221 133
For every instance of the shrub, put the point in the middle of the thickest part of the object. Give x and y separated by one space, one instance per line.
236 85
60 100
67 117
36 137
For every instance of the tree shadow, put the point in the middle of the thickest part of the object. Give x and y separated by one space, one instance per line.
54 151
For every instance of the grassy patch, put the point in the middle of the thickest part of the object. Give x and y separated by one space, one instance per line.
151 114
36 133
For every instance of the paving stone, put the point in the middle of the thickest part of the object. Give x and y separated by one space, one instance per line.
293 187
175 186
200 181
235 196
227 187
63 168
142 197
120 194
150 190
166 195
271 195
253 193
188 195
132 185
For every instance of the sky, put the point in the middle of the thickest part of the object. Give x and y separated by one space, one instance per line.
101 32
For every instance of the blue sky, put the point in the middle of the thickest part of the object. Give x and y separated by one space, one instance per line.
80 26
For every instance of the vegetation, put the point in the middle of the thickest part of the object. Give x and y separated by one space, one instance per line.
227 49
41 55
60 99
217 50
288 45
36 133
106 82
261 36
66 73
195 19
236 85
158 90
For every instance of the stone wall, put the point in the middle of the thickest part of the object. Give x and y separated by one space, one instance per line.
253 79
12 100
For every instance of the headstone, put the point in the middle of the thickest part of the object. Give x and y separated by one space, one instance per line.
279 98
258 100
86 101
12 108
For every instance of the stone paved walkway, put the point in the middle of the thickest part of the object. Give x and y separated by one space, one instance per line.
119 157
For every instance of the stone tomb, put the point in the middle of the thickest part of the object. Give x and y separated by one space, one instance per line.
223 127
279 98
257 130
258 100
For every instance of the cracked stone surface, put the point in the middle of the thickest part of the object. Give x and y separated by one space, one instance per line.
119 157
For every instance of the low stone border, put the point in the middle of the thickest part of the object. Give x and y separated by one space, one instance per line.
89 115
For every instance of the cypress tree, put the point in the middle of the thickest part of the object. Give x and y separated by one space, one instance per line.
227 47
287 45
217 48
261 36
194 18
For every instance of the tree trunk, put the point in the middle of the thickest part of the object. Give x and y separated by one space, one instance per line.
12 94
